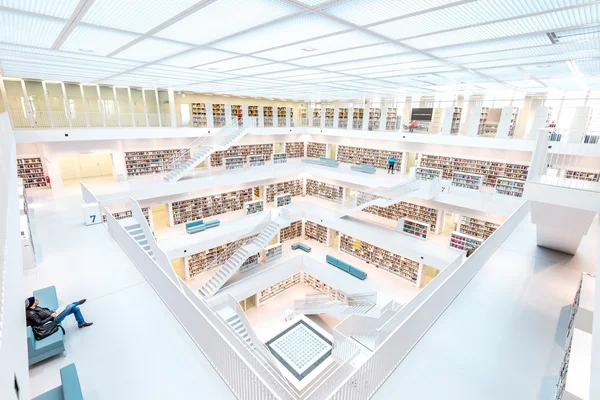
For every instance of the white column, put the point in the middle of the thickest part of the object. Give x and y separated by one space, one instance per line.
160 122
261 117
245 113
101 106
210 121
383 119
228 114
85 110
336 112
50 116
578 125
288 117
350 116
145 108
447 116
117 107
473 121
366 117
504 123
538 123
131 107
66 103
172 109
309 115
323 112
28 104
420 275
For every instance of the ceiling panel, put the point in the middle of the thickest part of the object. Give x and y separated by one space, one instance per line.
414 66
589 67
526 84
463 76
383 49
97 41
318 46
226 17
372 62
133 15
547 71
152 49
491 45
60 9
505 73
362 12
234 63
303 27
264 69
198 57
537 59
417 71
29 30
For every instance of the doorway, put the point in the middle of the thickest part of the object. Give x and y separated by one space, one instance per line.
332 151
85 166
449 223
334 238
179 267
160 216
248 303
411 160
185 114
428 274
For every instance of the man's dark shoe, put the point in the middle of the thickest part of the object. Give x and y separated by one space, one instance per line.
86 325
80 302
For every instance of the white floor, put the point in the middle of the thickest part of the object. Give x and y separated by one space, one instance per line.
503 336
136 349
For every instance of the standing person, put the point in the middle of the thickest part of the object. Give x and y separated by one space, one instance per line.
37 316
391 163
412 126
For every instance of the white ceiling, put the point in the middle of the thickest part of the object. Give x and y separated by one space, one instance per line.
306 49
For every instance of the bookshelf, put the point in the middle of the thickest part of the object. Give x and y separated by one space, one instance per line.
280 158
405 210
477 228
203 207
253 111
268 116
256 160
250 263
374 157
320 286
374 118
325 191
456 117
291 116
427 174
414 228
392 116
394 263
291 232
342 118
150 162
481 129
257 191
303 117
253 207
316 232
516 171
245 150
282 116
510 187
582 175
279 287
513 121
358 118
128 214
290 187
283 200
272 252
32 172
464 242
199 115
237 114
294 149
197 263
233 162
329 113
316 150
218 111
467 181
316 117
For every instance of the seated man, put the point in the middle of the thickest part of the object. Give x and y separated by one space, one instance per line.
37 316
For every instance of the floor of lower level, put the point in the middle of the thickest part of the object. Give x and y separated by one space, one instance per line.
136 349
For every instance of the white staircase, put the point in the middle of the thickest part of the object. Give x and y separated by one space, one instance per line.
337 309
401 192
233 264
134 228
237 325
199 150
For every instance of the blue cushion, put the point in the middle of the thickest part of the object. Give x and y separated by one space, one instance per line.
331 260
52 394
196 229
70 383
343 266
212 223
194 224
47 297
360 274
51 342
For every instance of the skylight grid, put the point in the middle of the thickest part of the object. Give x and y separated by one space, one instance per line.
504 73
548 71
28 30
264 69
46 61
197 57
491 45
234 63
378 50
589 67
152 49
61 9
226 17
377 61
416 65
537 59
98 41
525 84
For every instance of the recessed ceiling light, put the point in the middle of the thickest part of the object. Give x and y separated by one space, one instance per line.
86 50
544 66
213 68
309 49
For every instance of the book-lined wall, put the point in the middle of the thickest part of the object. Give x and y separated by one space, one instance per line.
128 214
196 263
279 287
334 294
401 210
477 228
244 150
292 187
294 149
325 191
291 232
394 263
32 172
358 118
150 161
360 155
316 150
582 175
202 207
315 231
218 115
199 115
490 170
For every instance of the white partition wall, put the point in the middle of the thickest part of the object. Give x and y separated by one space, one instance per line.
473 120
447 115
261 117
505 122
538 123
210 121
579 124
227 114
383 118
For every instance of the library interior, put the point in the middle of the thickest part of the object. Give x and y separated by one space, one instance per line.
299 199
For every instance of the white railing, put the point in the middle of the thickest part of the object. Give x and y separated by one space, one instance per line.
584 136
421 313
88 196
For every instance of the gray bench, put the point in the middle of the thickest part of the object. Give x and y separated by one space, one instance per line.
39 350
365 168
301 246
70 388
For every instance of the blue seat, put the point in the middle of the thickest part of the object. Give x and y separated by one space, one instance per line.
365 168
301 246
200 225
344 266
321 161
54 344
70 388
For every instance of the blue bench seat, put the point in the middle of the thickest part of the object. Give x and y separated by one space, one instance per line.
39 350
327 162
70 388
365 168
200 225
301 246
344 266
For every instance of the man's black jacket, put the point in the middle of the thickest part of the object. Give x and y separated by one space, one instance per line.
38 316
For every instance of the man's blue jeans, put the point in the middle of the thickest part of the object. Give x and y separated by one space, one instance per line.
71 309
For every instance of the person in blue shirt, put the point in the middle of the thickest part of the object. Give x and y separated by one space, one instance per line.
391 163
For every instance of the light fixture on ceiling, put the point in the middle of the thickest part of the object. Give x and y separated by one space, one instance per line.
86 50
544 65
213 68
309 49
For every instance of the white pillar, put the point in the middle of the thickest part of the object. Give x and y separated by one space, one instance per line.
50 116
27 104
383 118
245 114
538 123
473 121
101 106
227 114
172 109
336 113
145 108
210 122
505 121
117 107
447 117
309 115
66 103
131 107
323 113
579 125
261 117
350 117
85 110
160 122
288 117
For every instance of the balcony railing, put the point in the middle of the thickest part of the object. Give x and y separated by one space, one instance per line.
62 119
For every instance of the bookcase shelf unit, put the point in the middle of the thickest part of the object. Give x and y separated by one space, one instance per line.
320 286
456 117
283 200
513 121
294 149
268 116
392 116
329 113
253 207
31 171
280 158
250 263
394 263
233 162
303 117
582 175
272 252
199 115
282 116
208 206
256 160
342 118
316 150
414 228
237 113
510 187
374 118
461 241
476 227
358 116
316 232
401 210
294 188
218 111
245 150
374 157
278 288
481 129
467 181
253 111
427 174
150 161
291 232
325 191
316 117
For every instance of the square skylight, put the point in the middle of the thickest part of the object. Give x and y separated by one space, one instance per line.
98 41
28 30
296 29
240 15
152 49
197 57
61 9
